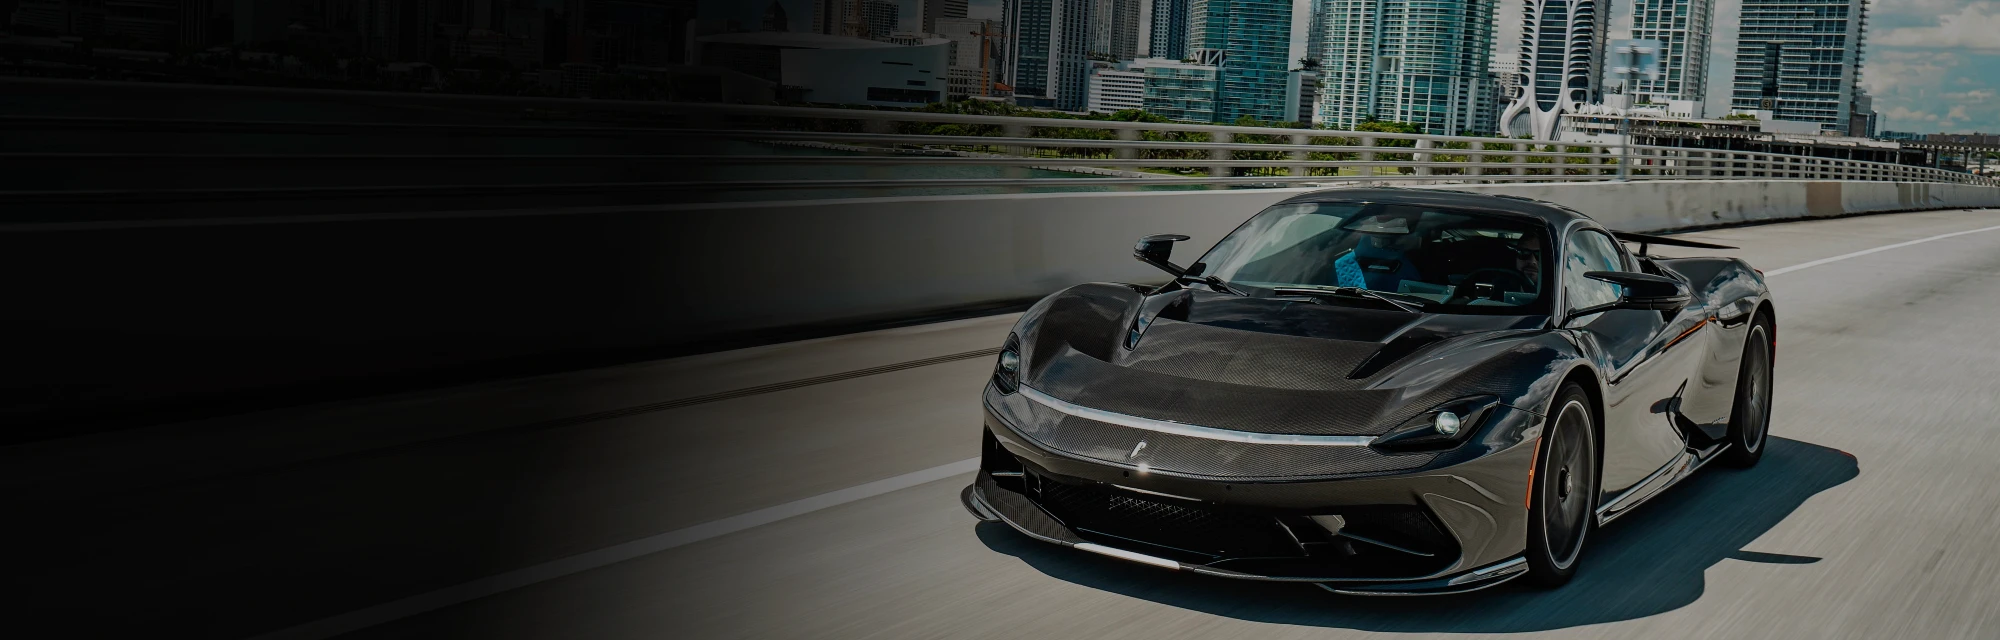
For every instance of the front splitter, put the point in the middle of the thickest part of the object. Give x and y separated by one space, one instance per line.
991 503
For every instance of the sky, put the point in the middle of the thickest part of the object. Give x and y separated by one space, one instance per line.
1932 65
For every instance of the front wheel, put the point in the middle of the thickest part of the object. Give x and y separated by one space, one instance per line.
1750 419
1563 492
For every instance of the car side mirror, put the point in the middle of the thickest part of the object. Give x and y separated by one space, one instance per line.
1155 249
1645 290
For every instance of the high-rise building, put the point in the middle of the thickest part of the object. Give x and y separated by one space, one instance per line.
1181 91
1424 63
1028 59
1168 38
1114 29
1254 38
881 18
1303 86
1316 31
1800 59
42 16
1562 53
150 23
976 45
775 18
1682 28
930 11
1863 121
1116 87
1050 66
827 16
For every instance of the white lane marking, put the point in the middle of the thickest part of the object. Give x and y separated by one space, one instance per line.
1857 254
448 596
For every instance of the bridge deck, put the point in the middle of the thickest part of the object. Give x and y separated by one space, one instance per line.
809 489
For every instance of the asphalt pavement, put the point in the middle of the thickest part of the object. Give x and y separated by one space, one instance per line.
810 490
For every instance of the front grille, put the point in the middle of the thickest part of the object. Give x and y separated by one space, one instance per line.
1201 457
1194 529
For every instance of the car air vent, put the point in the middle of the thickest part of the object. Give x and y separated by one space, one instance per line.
1392 353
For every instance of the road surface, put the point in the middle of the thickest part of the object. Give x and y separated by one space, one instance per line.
810 490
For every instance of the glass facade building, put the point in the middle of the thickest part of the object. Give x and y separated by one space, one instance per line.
1254 38
1181 91
1683 29
1028 23
1050 65
1418 61
1800 59
1169 37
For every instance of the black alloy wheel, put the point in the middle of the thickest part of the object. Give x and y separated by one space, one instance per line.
1563 502
1750 419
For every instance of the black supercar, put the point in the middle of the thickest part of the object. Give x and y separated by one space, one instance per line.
1381 391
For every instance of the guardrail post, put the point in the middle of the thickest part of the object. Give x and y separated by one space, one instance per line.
1521 158
1422 160
1301 155
1127 153
1366 156
1019 131
1225 155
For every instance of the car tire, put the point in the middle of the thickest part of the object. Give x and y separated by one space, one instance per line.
1562 503
1750 418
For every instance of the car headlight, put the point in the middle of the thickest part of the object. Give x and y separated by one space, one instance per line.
1007 369
1441 427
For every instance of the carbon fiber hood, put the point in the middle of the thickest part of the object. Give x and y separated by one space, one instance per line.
1260 364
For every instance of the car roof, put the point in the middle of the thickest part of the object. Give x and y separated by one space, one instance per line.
1554 215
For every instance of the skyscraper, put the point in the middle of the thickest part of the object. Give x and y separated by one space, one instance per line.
1168 38
1562 50
1114 30
1682 27
827 16
881 18
1050 65
1316 31
1423 63
930 11
1800 59
1254 38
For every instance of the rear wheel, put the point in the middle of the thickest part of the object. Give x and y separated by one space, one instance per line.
1563 495
1750 420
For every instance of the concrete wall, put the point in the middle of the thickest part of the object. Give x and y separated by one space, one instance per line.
115 322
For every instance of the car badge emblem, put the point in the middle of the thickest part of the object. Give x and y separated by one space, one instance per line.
1136 450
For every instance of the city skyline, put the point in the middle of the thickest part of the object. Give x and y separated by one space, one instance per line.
1929 65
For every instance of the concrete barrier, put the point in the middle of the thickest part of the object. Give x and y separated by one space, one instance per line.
134 321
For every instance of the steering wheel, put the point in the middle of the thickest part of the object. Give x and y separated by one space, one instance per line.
1501 278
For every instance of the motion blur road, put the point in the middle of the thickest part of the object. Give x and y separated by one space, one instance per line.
810 490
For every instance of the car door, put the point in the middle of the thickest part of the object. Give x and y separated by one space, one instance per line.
1631 349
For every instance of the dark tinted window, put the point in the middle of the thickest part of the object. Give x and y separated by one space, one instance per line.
1456 261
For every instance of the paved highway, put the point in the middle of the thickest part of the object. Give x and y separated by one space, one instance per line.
809 490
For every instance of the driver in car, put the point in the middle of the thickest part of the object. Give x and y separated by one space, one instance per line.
1528 261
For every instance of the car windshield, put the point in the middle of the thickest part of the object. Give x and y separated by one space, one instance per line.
1448 261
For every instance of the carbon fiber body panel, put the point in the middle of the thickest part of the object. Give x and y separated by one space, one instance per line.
1189 455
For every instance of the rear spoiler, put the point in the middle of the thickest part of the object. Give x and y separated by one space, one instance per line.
1642 240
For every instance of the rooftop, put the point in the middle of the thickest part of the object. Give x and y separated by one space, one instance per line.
790 40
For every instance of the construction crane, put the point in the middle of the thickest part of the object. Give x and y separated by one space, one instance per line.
986 34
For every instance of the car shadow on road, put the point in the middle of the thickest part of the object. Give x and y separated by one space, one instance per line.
1649 562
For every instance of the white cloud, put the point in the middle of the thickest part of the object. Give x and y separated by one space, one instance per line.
1888 70
1975 26
1903 114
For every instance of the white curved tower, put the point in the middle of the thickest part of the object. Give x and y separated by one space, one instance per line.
1562 46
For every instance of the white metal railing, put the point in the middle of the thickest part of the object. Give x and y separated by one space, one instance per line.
1227 155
